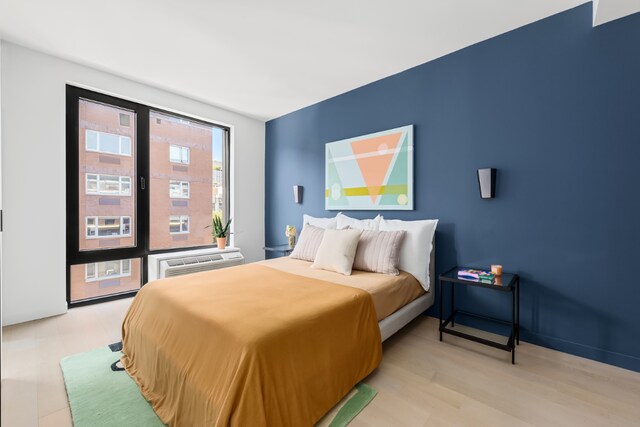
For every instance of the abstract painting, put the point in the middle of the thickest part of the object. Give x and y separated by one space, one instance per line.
370 172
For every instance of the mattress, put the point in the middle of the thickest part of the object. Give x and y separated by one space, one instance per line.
389 293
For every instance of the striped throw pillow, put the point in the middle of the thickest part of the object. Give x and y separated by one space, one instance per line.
379 252
308 243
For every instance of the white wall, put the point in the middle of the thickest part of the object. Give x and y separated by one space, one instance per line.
1 321
33 173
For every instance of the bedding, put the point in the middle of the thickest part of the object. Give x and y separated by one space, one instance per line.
343 221
252 345
379 251
337 251
308 243
417 243
326 223
389 293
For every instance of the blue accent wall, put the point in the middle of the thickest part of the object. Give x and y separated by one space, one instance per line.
555 107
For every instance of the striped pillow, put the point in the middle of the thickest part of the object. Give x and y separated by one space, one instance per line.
308 243
379 251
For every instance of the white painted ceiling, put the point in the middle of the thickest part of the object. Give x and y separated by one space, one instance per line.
608 10
261 58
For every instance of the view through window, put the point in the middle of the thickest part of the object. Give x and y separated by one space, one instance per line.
106 168
106 148
141 181
186 181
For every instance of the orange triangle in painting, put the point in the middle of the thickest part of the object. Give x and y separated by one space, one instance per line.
374 166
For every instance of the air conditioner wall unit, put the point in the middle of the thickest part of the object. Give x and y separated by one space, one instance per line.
185 262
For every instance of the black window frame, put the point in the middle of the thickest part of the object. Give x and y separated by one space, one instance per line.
142 196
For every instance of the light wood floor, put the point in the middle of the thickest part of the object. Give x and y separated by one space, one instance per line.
421 381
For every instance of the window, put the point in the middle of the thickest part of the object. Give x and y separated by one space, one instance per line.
107 270
94 280
118 204
105 226
178 224
125 119
179 154
204 183
105 175
179 189
109 143
126 267
108 185
90 271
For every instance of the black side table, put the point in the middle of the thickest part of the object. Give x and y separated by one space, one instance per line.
283 250
506 283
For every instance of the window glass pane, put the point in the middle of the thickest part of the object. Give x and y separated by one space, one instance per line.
91 271
91 140
108 227
125 185
108 269
125 145
91 227
218 173
106 192
109 184
179 189
187 158
99 279
92 183
174 188
174 224
174 153
126 226
125 119
109 143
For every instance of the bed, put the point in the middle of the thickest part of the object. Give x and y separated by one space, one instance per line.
268 343
398 299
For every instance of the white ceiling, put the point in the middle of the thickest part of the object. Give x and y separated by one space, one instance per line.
608 10
262 58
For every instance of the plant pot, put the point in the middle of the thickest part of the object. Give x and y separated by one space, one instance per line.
222 242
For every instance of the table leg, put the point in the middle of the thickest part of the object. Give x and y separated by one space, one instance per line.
453 293
440 305
514 330
518 318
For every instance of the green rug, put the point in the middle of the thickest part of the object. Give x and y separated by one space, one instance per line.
101 397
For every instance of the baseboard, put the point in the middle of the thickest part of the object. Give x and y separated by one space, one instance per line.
620 360
14 319
605 356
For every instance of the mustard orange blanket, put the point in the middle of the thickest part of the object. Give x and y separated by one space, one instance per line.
248 346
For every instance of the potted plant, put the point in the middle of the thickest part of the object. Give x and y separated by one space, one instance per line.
220 232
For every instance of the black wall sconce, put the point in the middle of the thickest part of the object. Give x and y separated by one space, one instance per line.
487 182
297 193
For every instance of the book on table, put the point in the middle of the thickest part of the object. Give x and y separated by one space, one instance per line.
480 275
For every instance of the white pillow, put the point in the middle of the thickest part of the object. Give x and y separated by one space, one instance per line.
337 251
344 221
328 223
416 247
